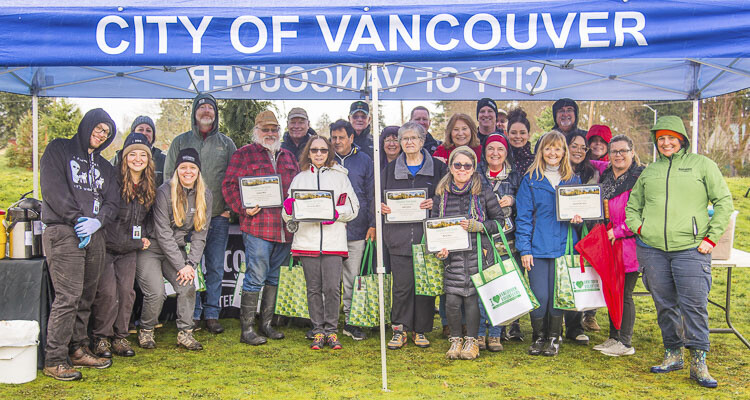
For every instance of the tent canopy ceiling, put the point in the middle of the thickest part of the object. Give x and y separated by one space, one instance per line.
430 49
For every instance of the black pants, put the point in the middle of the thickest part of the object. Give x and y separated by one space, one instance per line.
573 324
625 333
415 313
453 305
75 277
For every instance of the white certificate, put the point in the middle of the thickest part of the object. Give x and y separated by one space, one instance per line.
261 191
446 233
404 205
583 200
312 205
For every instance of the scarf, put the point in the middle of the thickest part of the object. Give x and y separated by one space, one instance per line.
522 158
476 211
613 187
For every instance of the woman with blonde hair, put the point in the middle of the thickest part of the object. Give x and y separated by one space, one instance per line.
461 194
460 131
181 213
541 238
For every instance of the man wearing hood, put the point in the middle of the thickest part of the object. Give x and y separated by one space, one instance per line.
359 119
80 196
215 150
298 131
565 112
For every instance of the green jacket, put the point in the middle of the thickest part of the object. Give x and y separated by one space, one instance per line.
215 152
670 199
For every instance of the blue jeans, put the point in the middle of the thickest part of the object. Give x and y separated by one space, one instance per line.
215 256
263 260
679 282
542 282
485 324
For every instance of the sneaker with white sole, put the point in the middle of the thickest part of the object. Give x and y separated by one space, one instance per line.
619 349
608 343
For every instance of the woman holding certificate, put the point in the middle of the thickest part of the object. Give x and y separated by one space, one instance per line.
462 200
541 238
668 210
182 212
460 131
321 202
409 184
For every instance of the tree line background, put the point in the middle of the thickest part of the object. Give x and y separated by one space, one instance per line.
724 123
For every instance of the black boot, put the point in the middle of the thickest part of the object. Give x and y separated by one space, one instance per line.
267 305
537 338
553 337
247 319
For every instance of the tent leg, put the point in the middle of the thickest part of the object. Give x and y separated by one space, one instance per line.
35 143
375 87
696 122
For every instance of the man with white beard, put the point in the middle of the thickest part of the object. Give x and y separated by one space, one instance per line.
215 150
267 242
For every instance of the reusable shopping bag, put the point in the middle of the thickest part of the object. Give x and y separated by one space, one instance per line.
291 294
502 288
365 309
428 271
577 285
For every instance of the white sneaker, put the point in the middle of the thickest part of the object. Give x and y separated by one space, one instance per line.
601 346
619 349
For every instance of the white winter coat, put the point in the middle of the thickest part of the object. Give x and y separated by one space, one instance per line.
314 238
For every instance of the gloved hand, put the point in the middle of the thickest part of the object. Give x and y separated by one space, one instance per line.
84 242
475 226
335 217
288 206
87 226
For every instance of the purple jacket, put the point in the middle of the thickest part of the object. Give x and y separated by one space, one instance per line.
621 231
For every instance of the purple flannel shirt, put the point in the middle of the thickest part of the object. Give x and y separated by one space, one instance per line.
255 160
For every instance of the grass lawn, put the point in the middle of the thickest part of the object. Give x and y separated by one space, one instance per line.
288 369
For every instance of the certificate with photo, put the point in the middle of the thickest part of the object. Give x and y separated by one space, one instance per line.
313 205
404 205
261 191
583 200
446 233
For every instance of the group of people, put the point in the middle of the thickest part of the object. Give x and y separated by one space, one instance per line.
110 226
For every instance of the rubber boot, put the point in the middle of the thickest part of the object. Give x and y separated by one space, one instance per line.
553 337
537 338
672 361
247 319
267 305
699 370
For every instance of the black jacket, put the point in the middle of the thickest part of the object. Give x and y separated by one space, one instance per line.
503 187
120 231
460 265
398 238
156 154
364 141
430 143
72 179
288 143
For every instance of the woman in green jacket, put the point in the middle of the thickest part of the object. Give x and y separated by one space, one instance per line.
668 210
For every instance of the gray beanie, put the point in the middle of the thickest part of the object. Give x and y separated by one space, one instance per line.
144 119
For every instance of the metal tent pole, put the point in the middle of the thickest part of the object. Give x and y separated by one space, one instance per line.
375 87
696 122
35 142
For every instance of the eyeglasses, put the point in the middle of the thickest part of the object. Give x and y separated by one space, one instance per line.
270 130
359 116
99 131
457 166
619 152
319 151
410 139
391 140
577 148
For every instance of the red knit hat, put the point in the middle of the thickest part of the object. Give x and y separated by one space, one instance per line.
496 137
601 131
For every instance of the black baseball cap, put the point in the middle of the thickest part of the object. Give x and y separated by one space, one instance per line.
359 106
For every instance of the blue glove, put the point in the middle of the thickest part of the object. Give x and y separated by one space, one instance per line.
87 226
84 242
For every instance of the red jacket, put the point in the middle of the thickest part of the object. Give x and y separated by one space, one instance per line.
442 154
255 160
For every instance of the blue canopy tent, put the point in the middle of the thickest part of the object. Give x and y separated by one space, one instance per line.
425 50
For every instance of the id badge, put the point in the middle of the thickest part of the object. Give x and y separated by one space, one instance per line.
136 232
96 206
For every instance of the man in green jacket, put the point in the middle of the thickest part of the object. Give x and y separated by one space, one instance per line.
215 151
668 210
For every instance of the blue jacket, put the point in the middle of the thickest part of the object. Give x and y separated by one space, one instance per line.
361 175
538 232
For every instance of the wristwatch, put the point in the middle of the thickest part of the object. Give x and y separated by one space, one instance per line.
190 263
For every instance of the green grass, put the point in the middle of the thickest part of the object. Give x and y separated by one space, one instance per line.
288 369
13 182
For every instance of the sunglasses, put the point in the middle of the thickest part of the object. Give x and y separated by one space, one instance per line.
270 130
457 166
319 151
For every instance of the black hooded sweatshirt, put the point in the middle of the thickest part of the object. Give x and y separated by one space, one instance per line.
560 104
72 180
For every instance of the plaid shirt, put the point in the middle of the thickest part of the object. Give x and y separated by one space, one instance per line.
255 160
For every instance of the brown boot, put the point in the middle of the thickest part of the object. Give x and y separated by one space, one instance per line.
185 339
146 339
446 331
83 357
62 372
470 350
454 353
102 347
122 348
493 344
482 342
